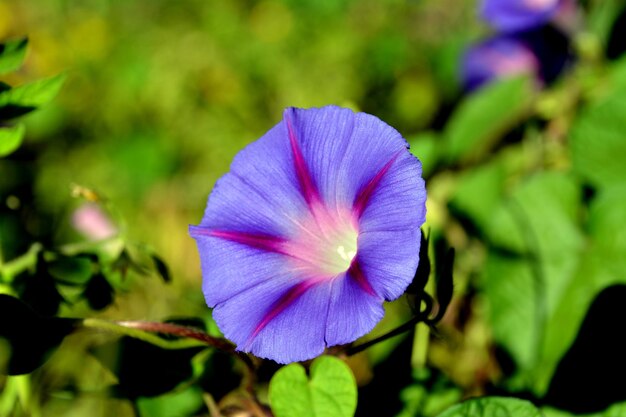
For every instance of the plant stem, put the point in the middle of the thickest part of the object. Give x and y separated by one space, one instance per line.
421 316
145 330
20 264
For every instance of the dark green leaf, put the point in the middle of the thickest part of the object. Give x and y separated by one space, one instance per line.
444 269
145 370
29 339
161 268
597 355
12 55
71 270
493 407
39 289
331 390
10 138
99 292
423 268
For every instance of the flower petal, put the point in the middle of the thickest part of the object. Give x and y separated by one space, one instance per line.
518 15
230 267
353 312
284 322
260 194
343 150
388 260
358 161
397 202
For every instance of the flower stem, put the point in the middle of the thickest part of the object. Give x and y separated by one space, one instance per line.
190 337
421 316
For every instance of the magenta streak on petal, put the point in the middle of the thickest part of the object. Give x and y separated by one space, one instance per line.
356 273
263 242
309 191
361 200
287 299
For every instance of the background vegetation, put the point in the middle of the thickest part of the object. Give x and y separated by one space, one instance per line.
527 184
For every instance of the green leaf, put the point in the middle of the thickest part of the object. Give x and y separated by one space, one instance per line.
330 392
12 55
537 246
616 410
425 146
161 267
10 139
493 407
28 97
485 116
601 17
72 270
172 404
601 264
479 192
597 138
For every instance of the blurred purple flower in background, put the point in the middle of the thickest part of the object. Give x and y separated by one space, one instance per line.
91 221
519 15
498 58
317 223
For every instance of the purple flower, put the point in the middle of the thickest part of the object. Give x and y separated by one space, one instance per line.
519 15
317 223
498 58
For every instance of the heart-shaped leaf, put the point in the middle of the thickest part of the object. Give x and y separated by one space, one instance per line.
330 391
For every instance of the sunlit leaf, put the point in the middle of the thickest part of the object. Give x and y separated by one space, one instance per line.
479 192
12 55
493 407
330 390
616 410
537 246
597 138
25 98
186 402
427 147
485 116
10 138
601 264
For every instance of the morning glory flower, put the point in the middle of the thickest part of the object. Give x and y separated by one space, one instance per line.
519 15
314 227
498 58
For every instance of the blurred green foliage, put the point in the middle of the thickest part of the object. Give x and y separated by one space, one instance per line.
528 186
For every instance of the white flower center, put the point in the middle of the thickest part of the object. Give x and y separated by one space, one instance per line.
326 243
